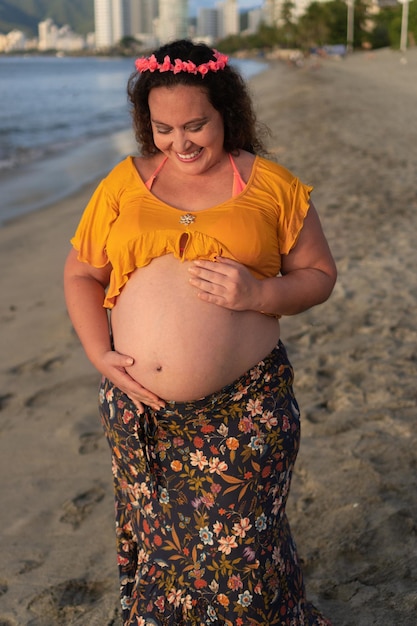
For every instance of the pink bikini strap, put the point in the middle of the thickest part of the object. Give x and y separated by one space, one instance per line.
238 182
152 178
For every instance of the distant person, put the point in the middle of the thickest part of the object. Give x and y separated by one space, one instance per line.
196 248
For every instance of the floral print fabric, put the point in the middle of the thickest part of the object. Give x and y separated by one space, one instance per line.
201 489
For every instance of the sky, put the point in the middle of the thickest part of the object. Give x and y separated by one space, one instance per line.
209 4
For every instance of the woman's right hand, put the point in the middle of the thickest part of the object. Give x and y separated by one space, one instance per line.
85 287
113 366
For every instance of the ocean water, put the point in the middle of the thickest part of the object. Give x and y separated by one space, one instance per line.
63 123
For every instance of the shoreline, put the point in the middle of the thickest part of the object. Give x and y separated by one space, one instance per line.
348 127
34 186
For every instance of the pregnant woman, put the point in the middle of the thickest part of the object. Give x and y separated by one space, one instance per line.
182 264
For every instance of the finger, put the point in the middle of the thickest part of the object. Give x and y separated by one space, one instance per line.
225 261
121 360
135 390
138 404
141 394
200 265
214 288
213 299
200 275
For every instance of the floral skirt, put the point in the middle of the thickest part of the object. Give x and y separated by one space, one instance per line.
200 495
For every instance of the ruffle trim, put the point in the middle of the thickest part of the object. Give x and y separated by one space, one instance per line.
142 250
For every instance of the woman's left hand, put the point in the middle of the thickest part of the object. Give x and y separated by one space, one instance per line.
226 283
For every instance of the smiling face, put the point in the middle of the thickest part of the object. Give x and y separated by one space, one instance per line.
186 127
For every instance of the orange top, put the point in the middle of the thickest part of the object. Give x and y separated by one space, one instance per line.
125 225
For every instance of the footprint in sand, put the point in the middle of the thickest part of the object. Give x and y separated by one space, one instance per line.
70 602
29 565
89 442
4 587
4 401
76 510
45 365
41 397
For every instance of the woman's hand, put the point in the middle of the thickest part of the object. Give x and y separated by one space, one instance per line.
113 366
226 283
308 275
84 292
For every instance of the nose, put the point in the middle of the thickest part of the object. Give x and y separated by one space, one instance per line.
180 141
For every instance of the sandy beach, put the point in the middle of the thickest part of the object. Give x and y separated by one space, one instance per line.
349 128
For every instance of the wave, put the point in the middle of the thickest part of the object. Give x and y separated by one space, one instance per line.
25 148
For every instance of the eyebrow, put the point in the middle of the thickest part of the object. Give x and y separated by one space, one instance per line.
198 120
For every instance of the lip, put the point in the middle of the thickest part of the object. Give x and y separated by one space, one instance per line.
193 156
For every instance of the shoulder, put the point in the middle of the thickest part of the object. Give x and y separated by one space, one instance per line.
274 171
121 169
286 191
146 166
123 176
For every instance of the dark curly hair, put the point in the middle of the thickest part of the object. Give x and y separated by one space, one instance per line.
226 91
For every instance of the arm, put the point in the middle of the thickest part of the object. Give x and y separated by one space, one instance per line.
308 277
84 293
308 273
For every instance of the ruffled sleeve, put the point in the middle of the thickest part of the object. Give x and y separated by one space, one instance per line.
293 210
90 239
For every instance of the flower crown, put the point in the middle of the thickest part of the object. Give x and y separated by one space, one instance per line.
150 64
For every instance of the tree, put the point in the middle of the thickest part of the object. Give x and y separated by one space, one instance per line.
387 26
326 23
313 26
287 30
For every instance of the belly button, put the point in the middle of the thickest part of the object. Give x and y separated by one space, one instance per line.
159 368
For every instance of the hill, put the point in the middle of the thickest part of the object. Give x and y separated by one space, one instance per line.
26 14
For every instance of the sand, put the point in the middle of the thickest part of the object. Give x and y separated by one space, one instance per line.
348 127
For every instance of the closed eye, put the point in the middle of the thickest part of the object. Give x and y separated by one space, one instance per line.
192 127
163 130
195 129
195 126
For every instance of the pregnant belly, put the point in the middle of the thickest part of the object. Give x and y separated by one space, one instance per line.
184 348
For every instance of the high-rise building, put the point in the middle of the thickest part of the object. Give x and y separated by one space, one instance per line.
229 18
142 15
48 32
143 19
208 24
103 23
254 20
272 10
113 20
173 20
119 20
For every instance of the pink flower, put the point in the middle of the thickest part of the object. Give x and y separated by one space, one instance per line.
235 582
153 63
178 67
222 59
166 65
190 67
